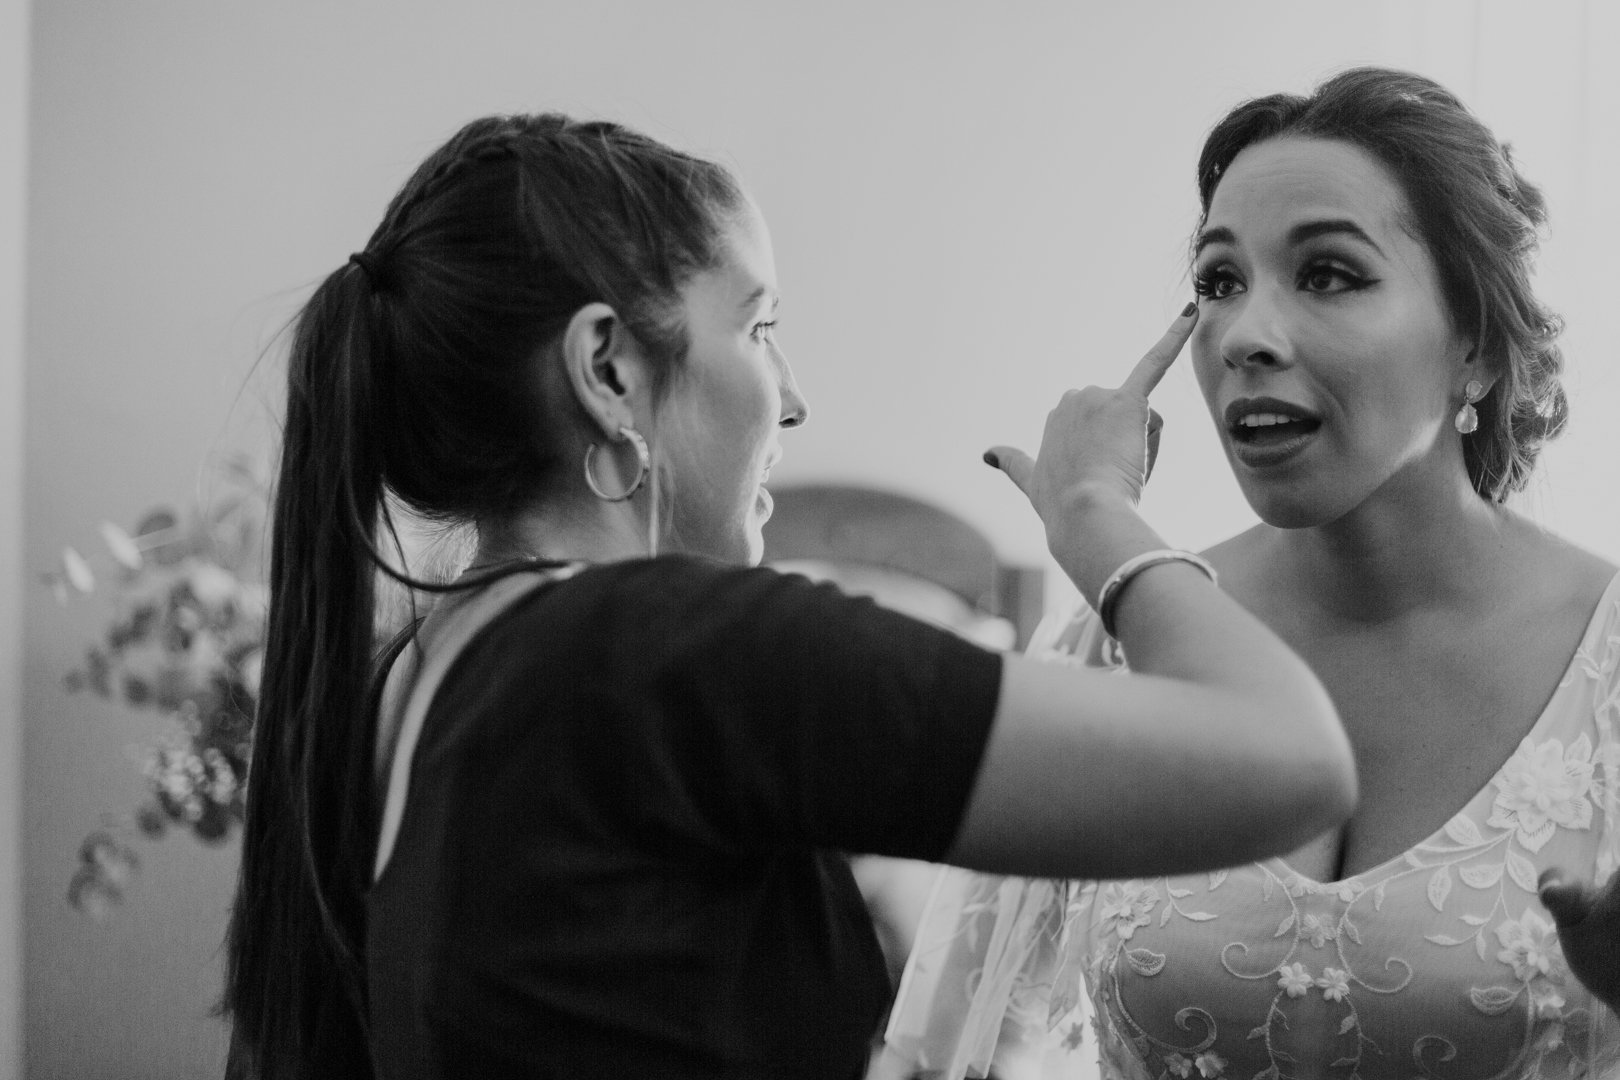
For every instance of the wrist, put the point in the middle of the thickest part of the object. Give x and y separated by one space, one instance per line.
1096 496
1084 509
1098 530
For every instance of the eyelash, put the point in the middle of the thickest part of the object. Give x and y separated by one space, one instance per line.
1205 282
762 330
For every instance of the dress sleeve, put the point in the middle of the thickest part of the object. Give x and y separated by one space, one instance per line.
994 979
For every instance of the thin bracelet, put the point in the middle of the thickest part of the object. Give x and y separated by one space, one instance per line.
1108 598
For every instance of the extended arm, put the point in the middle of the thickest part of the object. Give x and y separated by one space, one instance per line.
1222 747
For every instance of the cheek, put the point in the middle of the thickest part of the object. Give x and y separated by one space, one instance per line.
756 409
741 424
1206 357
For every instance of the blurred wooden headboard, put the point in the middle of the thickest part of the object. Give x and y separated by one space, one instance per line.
838 523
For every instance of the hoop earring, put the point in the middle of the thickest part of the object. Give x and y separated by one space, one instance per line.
1467 418
643 467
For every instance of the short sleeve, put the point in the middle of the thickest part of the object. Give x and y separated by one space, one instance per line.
744 709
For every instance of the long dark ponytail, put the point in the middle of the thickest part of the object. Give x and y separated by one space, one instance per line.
411 372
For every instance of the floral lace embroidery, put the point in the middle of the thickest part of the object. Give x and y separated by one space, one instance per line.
1543 787
1439 963
1546 786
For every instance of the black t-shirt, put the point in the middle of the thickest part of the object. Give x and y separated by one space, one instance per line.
619 854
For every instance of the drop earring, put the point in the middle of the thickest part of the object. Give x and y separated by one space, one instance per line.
1467 419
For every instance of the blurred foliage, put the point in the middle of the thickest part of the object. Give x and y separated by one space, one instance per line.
185 640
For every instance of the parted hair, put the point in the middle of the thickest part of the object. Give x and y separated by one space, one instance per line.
413 371
1477 215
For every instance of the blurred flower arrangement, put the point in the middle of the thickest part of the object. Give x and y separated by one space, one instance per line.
185 640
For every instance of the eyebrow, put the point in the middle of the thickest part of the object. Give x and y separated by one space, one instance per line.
1310 230
1299 234
1220 234
754 297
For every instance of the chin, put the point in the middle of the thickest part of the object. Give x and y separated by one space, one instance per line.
1295 506
753 544
1288 516
1299 497
739 549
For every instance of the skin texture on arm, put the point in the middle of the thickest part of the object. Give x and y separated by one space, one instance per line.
1236 755
1223 746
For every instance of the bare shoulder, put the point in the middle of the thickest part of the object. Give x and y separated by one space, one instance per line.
1244 562
1562 574
1237 551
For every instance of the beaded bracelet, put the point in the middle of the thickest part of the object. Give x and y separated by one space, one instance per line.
1108 598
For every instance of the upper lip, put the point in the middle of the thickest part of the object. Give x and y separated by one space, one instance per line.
770 463
1254 406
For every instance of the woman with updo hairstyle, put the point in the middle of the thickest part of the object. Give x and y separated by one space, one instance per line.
1480 219
1382 377
586 818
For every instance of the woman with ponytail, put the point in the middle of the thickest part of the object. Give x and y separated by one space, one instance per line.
583 820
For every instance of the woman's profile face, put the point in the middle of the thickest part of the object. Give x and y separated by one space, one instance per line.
1324 348
718 428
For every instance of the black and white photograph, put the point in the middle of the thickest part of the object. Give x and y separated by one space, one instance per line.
854 540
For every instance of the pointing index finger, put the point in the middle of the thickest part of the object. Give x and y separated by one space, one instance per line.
1151 368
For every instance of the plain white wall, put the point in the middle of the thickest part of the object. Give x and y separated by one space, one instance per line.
13 205
975 206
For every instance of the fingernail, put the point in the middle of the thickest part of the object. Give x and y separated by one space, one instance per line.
1187 312
991 460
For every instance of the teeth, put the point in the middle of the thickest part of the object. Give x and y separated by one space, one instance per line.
1254 420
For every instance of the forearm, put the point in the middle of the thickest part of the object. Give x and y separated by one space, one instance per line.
1169 618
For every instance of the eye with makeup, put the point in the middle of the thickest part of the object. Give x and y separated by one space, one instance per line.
1329 276
1322 276
1215 282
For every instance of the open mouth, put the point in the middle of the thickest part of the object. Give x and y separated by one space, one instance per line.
1265 422
1266 429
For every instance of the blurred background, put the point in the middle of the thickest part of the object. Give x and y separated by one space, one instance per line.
975 206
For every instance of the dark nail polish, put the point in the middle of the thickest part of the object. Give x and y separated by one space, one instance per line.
1192 306
991 460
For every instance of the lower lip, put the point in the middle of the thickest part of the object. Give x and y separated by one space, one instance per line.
766 503
1269 455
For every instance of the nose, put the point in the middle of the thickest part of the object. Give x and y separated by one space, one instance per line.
1256 334
795 410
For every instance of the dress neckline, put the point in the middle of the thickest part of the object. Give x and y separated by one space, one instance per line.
1602 612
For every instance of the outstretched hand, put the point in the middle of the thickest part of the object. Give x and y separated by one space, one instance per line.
1098 436
1588 919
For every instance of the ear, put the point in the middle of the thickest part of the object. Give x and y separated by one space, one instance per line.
1476 367
606 368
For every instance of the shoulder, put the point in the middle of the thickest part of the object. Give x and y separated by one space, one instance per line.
643 588
688 610
683 575
1558 579
1247 566
1242 557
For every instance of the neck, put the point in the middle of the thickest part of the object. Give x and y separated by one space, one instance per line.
1399 552
579 529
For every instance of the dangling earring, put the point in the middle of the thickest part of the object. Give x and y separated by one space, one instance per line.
643 467
1467 419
